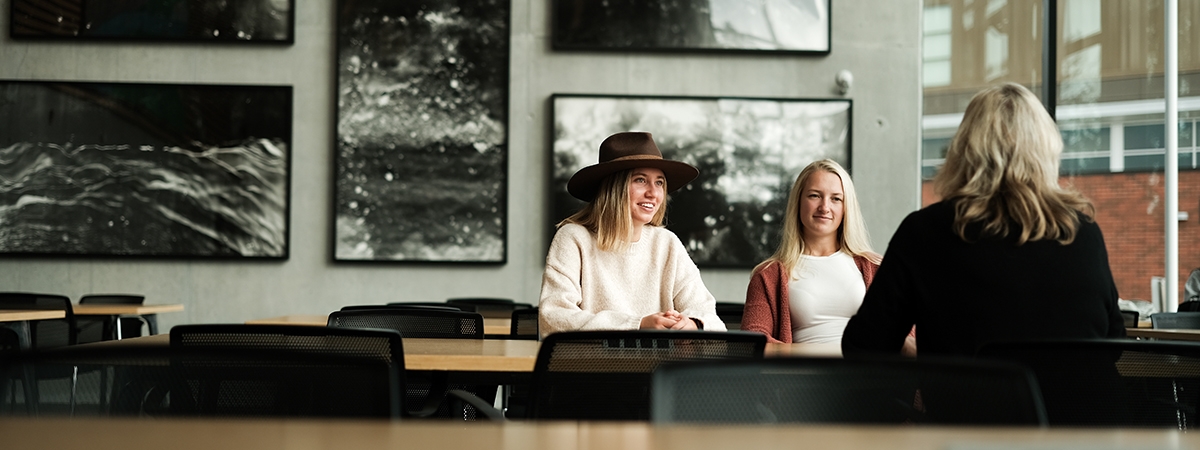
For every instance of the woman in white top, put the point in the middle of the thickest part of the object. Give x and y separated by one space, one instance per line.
612 266
815 281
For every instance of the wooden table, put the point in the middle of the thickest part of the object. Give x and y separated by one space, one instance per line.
491 325
17 320
1163 333
275 434
116 310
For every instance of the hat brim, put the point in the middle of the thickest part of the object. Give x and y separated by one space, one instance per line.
584 184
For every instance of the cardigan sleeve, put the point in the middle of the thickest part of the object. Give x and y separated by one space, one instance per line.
760 314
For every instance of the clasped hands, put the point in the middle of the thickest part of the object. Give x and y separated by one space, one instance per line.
668 320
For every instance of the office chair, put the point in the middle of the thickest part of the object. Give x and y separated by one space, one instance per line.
524 324
488 307
425 388
1111 382
884 391
731 314
1176 320
1131 318
225 380
104 328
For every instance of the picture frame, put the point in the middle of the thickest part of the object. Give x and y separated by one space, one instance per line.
113 170
749 152
801 27
235 22
421 159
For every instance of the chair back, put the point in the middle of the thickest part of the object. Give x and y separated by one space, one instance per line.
891 391
524 324
1189 306
211 381
45 334
1111 382
1130 317
731 314
413 323
606 375
401 306
112 299
488 307
467 308
1189 320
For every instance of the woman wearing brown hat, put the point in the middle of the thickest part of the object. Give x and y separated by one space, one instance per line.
612 266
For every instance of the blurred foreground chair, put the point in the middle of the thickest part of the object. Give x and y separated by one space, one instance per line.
225 380
1176 320
425 390
890 391
606 375
1111 382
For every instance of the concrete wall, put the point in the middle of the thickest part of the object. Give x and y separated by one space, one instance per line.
877 40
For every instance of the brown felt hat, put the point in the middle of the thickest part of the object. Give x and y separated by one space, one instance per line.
628 150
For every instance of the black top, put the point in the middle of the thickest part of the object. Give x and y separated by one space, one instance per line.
961 294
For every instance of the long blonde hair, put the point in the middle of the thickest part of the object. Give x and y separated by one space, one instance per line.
1002 170
608 214
852 232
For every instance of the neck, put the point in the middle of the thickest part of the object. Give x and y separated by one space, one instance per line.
821 247
635 234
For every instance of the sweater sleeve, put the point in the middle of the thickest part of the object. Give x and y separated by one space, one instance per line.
758 314
561 306
690 297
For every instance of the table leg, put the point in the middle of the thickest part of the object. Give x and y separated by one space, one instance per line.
152 323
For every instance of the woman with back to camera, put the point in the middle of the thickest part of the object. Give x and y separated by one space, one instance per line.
816 279
1007 254
612 265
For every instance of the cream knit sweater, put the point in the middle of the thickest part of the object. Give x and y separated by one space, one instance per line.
584 288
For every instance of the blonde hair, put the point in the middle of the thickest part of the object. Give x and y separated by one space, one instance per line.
852 232
1002 170
608 214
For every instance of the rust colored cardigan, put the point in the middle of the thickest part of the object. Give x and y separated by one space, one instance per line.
767 310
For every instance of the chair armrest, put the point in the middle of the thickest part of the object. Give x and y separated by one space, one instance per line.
483 407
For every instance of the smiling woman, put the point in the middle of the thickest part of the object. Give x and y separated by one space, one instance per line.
612 266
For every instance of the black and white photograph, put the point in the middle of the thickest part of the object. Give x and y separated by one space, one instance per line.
749 152
422 131
788 26
144 170
249 21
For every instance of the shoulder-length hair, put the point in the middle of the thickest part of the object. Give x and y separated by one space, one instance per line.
1001 170
852 232
608 214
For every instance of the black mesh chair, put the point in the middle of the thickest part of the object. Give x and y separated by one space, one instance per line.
731 314
1111 382
1176 320
425 390
489 307
440 305
606 375
44 334
1189 306
525 324
104 328
1130 317
222 380
890 391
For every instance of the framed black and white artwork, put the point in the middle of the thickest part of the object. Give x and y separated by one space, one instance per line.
782 26
422 131
749 152
144 170
241 21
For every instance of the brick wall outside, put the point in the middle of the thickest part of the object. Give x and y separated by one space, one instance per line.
1129 209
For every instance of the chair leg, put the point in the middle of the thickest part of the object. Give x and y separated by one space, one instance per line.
74 382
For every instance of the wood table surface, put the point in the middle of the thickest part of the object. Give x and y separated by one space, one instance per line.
113 309
18 315
277 434
1164 333
491 325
